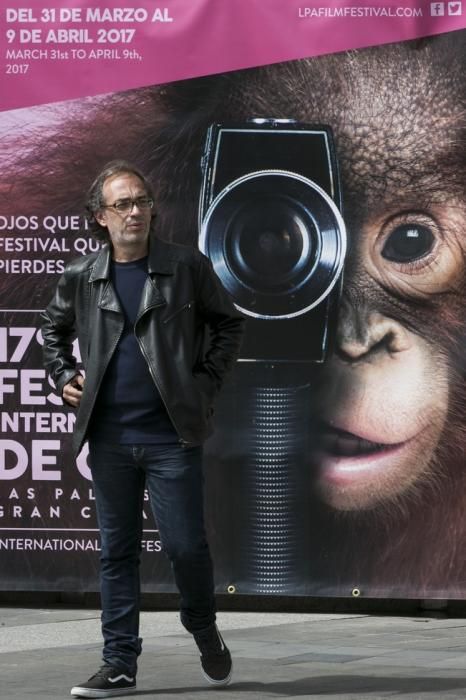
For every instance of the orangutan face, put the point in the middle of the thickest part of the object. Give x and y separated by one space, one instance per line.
385 395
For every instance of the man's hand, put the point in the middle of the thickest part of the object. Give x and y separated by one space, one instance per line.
73 390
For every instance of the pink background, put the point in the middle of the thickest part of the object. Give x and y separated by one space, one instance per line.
206 36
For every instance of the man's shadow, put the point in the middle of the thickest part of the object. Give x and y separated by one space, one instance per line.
358 685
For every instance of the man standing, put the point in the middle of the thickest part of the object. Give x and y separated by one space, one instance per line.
157 333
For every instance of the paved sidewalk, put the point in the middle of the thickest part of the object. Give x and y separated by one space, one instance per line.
43 652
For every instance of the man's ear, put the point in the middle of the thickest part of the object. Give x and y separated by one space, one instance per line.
100 217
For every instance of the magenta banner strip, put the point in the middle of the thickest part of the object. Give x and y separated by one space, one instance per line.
76 48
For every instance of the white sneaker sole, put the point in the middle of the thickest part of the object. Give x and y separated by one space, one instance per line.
79 692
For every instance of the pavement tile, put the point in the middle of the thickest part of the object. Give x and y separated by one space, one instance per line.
335 657
413 659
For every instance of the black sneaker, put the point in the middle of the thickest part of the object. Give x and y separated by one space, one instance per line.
215 656
106 683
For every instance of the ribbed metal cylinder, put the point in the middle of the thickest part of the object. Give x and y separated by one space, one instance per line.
274 416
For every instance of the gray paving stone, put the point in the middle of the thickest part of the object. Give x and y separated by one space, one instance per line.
335 657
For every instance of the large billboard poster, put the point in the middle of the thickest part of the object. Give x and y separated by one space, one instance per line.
317 154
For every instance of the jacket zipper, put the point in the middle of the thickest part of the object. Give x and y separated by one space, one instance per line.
185 442
178 311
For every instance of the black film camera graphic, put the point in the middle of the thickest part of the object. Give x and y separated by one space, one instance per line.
270 221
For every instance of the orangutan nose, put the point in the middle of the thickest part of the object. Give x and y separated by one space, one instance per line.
363 334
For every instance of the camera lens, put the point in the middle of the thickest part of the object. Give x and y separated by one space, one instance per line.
268 243
277 241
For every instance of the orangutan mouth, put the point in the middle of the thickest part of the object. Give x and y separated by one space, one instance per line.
340 443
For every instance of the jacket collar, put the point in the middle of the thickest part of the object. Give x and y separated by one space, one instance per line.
160 260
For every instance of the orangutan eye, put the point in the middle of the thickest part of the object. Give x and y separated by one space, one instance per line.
408 242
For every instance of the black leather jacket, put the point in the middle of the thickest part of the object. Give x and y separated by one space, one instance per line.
187 328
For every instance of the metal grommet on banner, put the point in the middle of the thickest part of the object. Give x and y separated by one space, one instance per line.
356 592
231 589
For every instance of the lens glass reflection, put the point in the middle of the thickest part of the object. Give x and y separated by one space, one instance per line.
269 243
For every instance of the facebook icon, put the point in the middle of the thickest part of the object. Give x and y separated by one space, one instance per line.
437 9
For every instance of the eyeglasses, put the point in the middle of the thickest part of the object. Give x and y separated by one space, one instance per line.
125 206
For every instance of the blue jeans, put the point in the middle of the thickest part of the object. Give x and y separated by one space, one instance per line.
174 479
